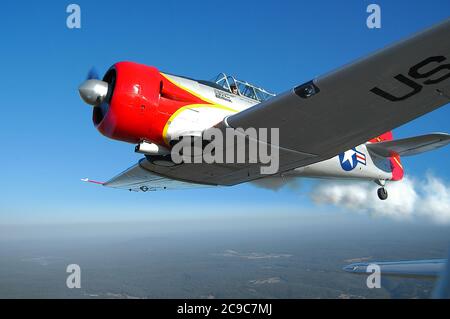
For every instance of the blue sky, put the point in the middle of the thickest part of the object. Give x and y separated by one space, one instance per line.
47 136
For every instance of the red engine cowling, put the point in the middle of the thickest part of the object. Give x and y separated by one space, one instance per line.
139 103
131 104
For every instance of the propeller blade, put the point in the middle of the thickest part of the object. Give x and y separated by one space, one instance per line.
93 74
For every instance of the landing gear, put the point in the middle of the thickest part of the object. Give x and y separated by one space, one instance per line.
382 193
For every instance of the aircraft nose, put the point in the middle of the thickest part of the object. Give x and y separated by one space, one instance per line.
93 92
354 268
348 268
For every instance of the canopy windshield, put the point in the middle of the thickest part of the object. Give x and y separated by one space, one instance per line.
243 88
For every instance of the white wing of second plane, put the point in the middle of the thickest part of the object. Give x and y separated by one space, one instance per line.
410 268
428 268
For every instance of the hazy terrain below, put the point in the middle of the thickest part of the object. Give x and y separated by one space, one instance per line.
215 258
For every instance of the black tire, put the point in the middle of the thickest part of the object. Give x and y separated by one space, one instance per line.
382 193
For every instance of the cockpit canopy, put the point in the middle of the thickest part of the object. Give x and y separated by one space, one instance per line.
243 88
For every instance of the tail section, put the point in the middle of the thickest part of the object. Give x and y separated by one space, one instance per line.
394 159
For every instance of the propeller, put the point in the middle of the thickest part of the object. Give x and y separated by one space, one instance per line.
93 74
94 91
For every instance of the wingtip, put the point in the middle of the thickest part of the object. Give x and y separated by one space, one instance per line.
87 180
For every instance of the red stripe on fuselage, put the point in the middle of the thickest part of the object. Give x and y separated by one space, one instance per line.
395 162
143 101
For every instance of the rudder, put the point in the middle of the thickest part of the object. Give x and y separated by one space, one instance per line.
395 162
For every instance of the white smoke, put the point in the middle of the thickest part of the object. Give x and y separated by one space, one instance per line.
408 199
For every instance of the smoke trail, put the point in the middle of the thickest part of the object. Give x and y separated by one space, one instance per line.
408 198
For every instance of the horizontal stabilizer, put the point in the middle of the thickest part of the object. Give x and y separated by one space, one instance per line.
412 268
410 146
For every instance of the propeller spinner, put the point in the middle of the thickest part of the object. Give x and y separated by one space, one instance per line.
93 92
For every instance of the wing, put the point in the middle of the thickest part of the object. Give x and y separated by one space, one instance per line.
410 146
342 109
139 179
334 112
431 268
412 268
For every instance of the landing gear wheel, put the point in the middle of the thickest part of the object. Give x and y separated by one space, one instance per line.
382 193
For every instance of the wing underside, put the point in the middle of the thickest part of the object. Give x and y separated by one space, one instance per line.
138 179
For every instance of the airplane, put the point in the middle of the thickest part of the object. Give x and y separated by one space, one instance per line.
434 269
338 125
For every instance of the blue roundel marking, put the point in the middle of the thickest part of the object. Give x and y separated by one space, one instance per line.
348 160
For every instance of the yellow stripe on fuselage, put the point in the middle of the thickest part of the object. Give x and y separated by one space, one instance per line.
191 106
